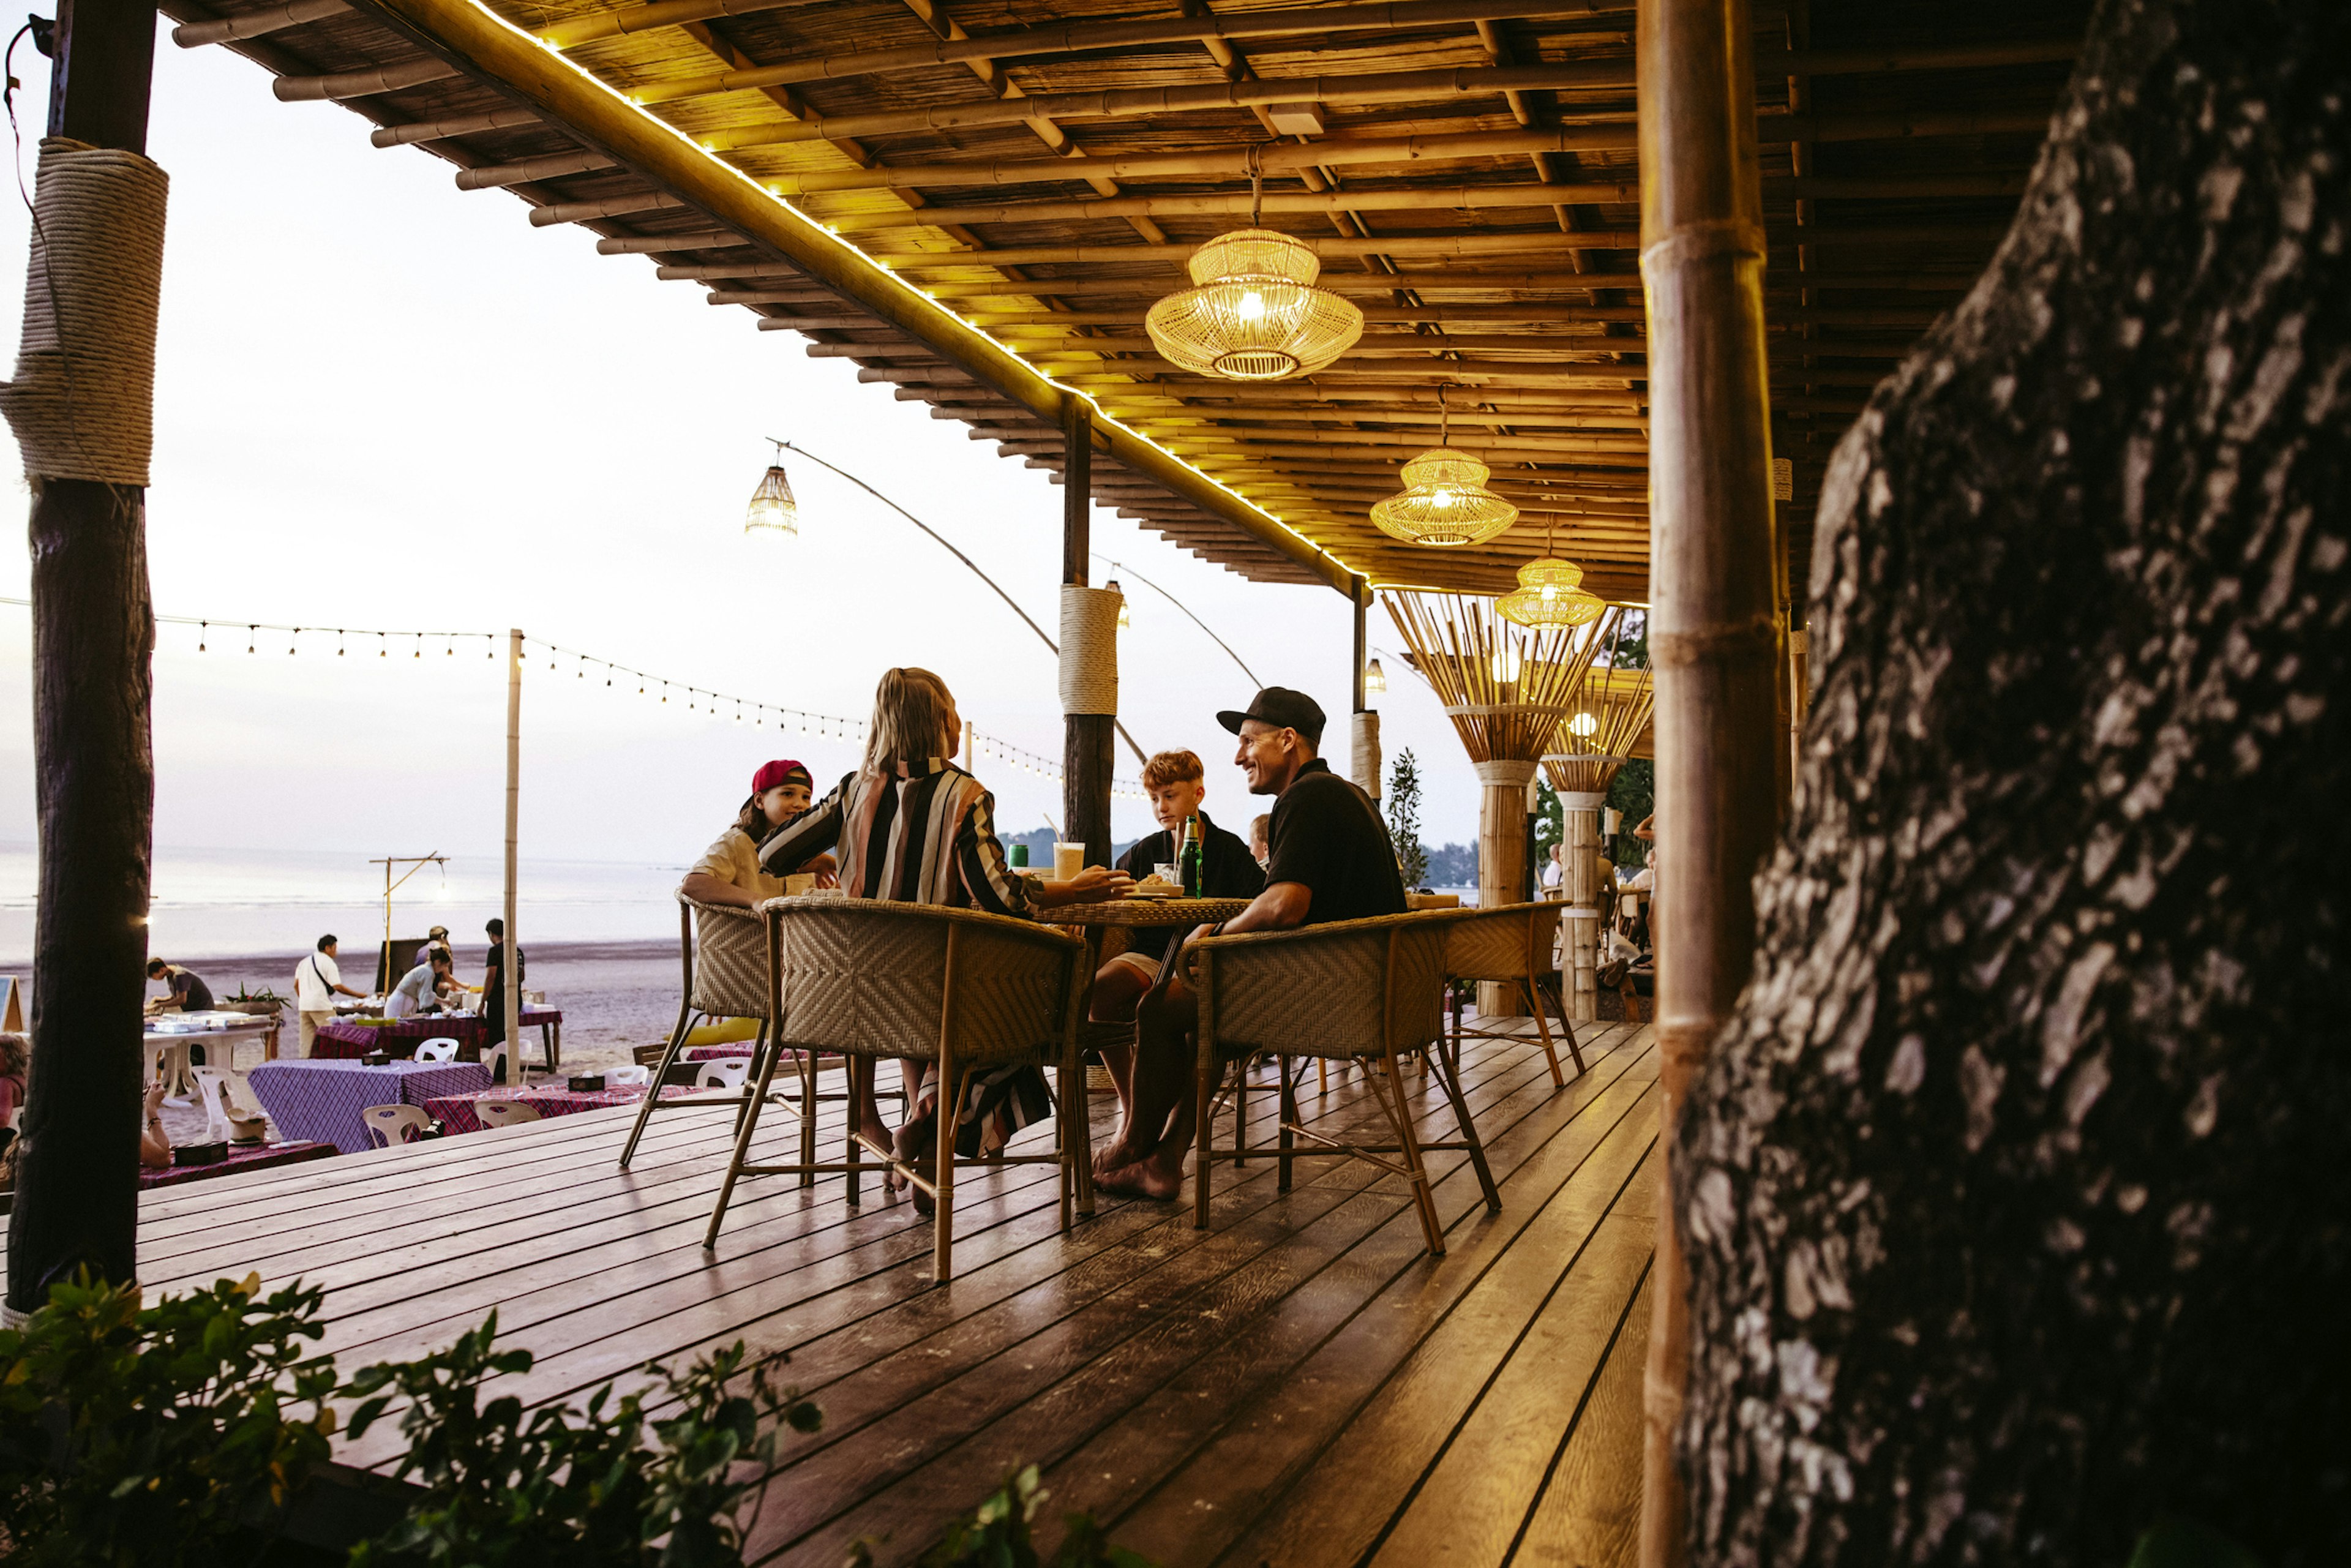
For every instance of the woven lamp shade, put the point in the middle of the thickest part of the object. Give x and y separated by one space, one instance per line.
1548 595
1445 502
772 508
1253 314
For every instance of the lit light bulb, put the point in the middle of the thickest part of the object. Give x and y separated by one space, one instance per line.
1583 723
1252 306
1549 592
1441 498
1505 666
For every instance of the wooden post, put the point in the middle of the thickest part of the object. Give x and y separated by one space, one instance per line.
1501 860
1712 591
94 780
1363 599
510 965
1088 738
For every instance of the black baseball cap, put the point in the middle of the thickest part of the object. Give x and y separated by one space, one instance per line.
1282 708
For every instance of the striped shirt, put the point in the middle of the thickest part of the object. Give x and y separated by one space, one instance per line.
923 833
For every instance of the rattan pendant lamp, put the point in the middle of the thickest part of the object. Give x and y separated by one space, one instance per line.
1253 313
1548 594
772 512
1445 501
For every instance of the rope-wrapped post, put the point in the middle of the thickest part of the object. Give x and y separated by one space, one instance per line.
1502 860
81 405
1580 880
1090 708
1364 763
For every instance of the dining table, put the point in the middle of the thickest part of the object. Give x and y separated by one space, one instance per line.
347 1037
1098 922
168 1036
263 1157
323 1100
457 1113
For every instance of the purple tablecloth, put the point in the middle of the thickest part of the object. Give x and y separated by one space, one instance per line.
322 1100
455 1113
344 1039
262 1158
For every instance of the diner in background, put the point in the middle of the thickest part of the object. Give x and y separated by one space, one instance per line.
1260 840
317 983
1177 783
729 872
910 825
155 1144
1331 860
15 1071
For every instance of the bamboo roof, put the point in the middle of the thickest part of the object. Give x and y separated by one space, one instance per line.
977 205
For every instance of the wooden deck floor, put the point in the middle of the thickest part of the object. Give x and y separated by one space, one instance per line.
1296 1386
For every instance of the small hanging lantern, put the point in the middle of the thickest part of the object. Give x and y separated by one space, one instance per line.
1548 594
1253 313
1124 619
1376 680
1444 500
773 512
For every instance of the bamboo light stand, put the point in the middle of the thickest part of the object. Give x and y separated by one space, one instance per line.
1506 689
1617 702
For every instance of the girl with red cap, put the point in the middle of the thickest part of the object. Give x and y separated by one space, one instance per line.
729 870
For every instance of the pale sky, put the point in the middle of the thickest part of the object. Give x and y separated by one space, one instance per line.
386 404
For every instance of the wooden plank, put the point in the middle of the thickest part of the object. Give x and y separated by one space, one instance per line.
1066 1418
1589 1513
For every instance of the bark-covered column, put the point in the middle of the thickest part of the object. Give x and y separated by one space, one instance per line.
1580 886
1715 632
2017 1198
82 406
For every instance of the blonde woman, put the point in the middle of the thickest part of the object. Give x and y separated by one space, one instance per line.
910 825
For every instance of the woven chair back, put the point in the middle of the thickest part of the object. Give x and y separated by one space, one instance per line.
1505 944
868 977
730 961
1355 987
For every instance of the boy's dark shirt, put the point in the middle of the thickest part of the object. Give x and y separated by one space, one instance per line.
1227 869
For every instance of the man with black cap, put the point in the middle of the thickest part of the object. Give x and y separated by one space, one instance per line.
1331 860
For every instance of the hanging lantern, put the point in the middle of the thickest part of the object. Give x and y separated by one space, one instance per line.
1124 619
1548 594
773 512
1253 313
1444 500
1376 680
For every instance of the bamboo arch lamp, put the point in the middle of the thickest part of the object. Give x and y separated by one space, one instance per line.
1506 688
1549 593
1253 313
773 514
1445 501
1610 721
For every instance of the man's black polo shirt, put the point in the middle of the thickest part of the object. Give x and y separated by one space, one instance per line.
1327 834
1227 869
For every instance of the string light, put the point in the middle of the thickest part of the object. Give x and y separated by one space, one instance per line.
249 631
204 629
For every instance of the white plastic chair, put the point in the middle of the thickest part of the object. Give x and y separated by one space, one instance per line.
628 1077
442 1049
496 1063
725 1072
390 1124
503 1113
219 1087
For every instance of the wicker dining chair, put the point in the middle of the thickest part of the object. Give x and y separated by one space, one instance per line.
874 979
1353 990
1510 946
724 953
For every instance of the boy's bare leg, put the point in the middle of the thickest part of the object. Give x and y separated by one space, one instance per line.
1163 1094
1118 988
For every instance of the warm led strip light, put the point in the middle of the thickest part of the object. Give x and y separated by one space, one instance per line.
550 51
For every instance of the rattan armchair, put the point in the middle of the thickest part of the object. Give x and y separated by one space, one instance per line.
1510 946
1359 990
873 980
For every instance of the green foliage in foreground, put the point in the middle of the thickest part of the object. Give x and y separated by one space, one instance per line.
177 1434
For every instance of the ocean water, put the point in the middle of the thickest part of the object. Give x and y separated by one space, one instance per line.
217 903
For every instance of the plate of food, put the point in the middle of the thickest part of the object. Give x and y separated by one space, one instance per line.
1155 887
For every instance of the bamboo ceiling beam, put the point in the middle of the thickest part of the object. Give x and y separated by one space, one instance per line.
341 85
453 126
603 207
515 64
553 166
255 24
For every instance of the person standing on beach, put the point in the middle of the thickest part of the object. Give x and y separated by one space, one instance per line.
316 981
493 989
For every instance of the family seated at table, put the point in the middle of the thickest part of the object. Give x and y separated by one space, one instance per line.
910 825
1329 858
1177 783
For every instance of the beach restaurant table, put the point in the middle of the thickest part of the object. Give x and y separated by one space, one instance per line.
1099 919
322 1100
169 1047
344 1039
260 1159
455 1112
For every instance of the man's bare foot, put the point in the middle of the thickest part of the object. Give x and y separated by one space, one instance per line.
1154 1176
916 1145
1120 1152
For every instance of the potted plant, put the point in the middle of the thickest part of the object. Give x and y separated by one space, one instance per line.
261 1004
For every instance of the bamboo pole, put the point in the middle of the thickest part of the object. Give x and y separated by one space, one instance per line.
510 963
1712 588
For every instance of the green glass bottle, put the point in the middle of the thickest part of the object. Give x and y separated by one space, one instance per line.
1189 858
